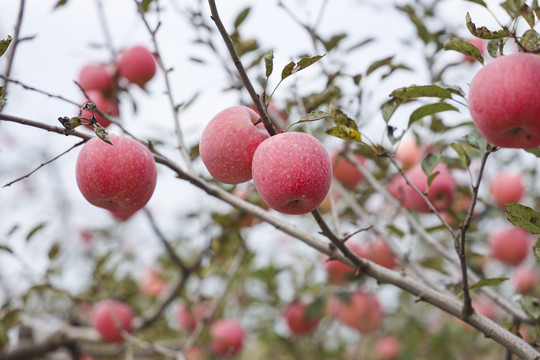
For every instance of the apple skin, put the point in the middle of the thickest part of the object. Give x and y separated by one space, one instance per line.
137 65
151 283
346 172
507 188
363 311
510 244
119 178
228 143
408 152
441 191
187 319
387 348
525 279
107 106
108 317
296 317
381 254
479 44
227 337
292 172
337 272
504 101
96 77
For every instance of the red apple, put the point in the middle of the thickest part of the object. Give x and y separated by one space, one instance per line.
338 272
387 348
105 105
361 311
120 177
510 244
228 143
525 279
189 318
346 172
381 254
137 65
408 152
194 353
151 283
292 172
297 318
110 317
96 77
507 188
440 193
504 101
480 44
227 337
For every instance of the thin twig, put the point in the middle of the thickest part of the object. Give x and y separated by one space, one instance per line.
43 92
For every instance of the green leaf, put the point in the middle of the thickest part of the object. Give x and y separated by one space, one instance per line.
523 216
536 8
345 133
145 5
6 248
340 118
479 2
60 3
389 107
429 163
488 282
530 39
536 249
517 8
287 70
241 17
430 109
535 151
416 91
333 41
494 47
418 22
483 32
360 44
100 132
462 153
53 251
269 63
357 79
307 61
379 63
35 230
476 140
315 115
315 310
464 47
4 44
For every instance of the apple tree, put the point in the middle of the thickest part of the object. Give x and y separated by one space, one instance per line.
290 180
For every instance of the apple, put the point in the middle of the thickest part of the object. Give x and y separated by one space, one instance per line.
151 283
510 244
507 188
96 77
227 337
137 65
479 44
504 101
440 193
525 279
292 172
189 318
297 319
408 152
194 353
380 253
120 177
359 310
387 348
106 105
110 318
228 143
346 172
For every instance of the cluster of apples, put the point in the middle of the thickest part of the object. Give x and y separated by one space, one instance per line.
291 171
134 65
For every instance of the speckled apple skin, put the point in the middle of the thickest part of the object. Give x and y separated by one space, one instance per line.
292 172
228 143
119 178
137 65
504 101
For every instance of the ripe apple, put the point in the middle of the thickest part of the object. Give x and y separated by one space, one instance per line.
96 77
120 177
510 244
408 152
440 193
189 318
151 283
525 279
297 318
480 45
346 172
227 337
361 311
292 172
137 65
110 317
387 348
194 353
228 143
507 188
380 253
107 106
504 101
